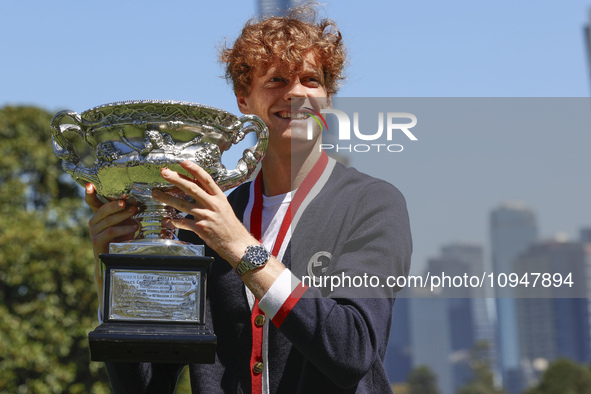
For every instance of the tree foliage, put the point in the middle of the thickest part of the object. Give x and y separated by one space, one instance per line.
47 299
482 381
566 377
421 380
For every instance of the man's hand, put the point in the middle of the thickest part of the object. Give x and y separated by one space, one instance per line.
214 220
111 223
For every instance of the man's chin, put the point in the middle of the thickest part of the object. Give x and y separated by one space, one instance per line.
300 131
301 145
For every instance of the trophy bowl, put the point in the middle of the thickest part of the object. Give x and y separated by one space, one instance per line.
133 140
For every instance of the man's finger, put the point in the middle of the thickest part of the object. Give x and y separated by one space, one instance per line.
190 187
91 197
202 177
110 209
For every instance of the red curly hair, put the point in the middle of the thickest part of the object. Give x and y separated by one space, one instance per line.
287 40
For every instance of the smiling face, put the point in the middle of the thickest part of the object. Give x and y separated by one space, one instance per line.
272 94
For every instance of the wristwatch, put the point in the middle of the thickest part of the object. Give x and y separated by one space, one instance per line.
256 256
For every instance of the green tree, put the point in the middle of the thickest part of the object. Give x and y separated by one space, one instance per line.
566 377
482 377
421 380
47 299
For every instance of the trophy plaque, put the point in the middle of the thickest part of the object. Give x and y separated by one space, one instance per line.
155 285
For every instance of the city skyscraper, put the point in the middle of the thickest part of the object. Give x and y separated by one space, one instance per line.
471 256
550 324
439 330
513 229
431 339
398 362
466 309
274 7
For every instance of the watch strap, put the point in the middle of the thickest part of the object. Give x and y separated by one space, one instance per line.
243 267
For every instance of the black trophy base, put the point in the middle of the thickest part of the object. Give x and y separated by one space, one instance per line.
158 343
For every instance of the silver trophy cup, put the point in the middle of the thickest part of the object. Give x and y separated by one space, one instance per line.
154 286
133 140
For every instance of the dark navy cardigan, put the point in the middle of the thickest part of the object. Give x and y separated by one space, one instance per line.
331 341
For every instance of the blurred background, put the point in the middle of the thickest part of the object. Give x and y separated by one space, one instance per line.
77 55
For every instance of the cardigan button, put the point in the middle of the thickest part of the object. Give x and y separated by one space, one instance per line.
259 321
257 367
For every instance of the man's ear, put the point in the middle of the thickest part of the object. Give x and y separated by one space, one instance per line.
243 105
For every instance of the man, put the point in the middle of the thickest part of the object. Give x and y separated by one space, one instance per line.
305 214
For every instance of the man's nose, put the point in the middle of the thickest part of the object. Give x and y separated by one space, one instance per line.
296 89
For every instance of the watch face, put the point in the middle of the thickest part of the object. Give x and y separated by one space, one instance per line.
257 255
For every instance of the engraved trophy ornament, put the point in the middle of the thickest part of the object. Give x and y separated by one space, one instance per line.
154 285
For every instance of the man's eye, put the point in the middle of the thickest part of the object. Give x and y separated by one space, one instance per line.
313 81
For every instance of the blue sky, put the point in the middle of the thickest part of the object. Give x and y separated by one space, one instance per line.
72 54
76 55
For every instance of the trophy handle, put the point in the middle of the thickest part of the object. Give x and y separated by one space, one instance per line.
227 179
65 151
